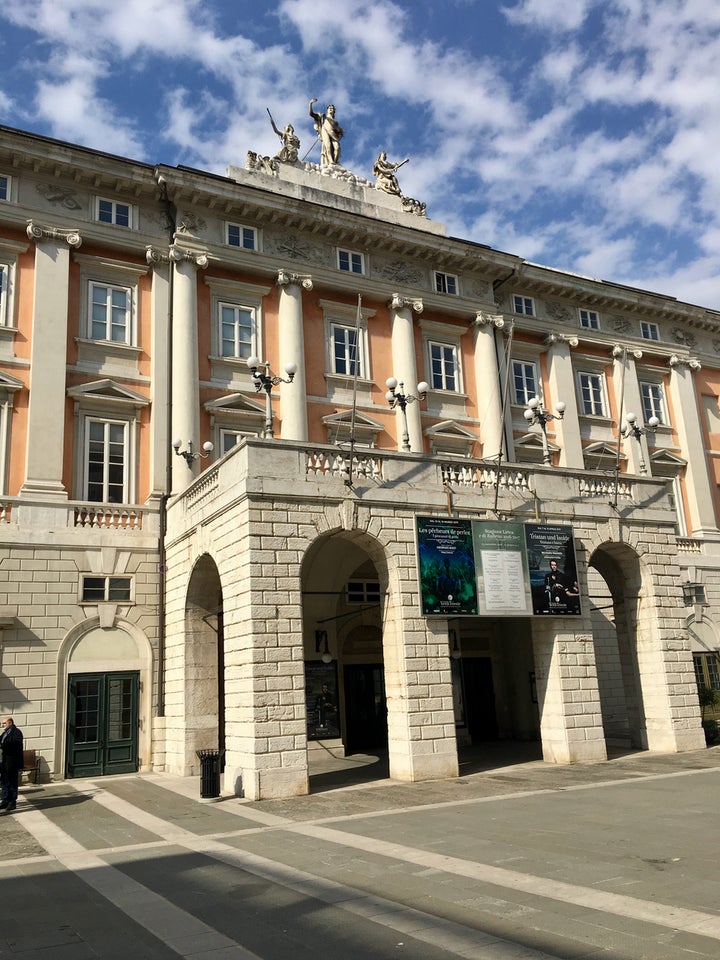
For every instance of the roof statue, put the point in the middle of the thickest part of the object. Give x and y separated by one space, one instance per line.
384 171
329 133
288 152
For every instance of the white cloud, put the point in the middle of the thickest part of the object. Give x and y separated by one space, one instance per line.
555 15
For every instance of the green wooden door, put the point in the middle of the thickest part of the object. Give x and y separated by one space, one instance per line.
102 724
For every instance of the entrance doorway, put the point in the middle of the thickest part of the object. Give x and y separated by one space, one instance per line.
365 707
480 711
102 734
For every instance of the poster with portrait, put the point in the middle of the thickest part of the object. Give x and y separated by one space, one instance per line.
446 567
553 570
321 700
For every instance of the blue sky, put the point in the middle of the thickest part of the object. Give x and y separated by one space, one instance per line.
582 134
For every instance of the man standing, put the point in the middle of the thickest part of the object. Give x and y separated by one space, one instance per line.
11 761
329 133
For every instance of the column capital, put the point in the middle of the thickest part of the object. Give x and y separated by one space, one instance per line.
620 351
482 319
396 302
285 279
155 255
692 362
38 232
552 339
195 257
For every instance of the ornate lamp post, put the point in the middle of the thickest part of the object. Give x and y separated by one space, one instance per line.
266 381
396 398
631 429
535 413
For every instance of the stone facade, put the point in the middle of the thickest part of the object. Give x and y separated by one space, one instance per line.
201 601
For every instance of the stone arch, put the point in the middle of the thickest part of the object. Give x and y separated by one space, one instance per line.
642 651
410 649
90 648
204 689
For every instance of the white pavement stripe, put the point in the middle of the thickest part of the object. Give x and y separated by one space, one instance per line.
664 915
446 935
180 931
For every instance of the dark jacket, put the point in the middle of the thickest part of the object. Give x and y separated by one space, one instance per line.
11 748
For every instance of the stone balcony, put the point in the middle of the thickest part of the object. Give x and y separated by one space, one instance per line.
262 469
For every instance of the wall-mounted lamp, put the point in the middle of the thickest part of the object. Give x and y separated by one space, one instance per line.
535 413
188 456
396 398
631 429
693 594
266 381
321 643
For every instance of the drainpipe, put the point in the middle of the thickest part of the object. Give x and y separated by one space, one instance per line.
170 213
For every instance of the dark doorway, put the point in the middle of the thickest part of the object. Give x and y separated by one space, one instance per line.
479 692
365 707
102 735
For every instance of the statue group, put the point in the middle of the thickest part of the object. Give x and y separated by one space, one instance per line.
329 133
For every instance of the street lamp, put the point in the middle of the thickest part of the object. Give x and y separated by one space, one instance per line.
396 398
631 429
266 381
188 456
536 414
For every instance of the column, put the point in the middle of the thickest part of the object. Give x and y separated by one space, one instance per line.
561 380
160 449
628 399
571 726
405 365
48 352
185 374
688 416
487 381
293 397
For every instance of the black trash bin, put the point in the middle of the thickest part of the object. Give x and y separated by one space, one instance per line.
209 773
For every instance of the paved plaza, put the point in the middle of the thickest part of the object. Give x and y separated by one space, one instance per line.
512 861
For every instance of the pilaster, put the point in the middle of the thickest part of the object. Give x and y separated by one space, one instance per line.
697 486
293 397
185 373
405 364
561 380
48 352
488 382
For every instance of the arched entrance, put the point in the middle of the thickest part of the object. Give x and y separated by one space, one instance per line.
614 587
104 679
344 590
204 662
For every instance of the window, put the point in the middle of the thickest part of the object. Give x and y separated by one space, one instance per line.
652 401
525 381
592 394
351 261
110 211
4 187
101 589
649 331
243 237
229 439
443 366
446 283
363 591
237 330
346 351
524 305
589 319
707 673
110 311
105 458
